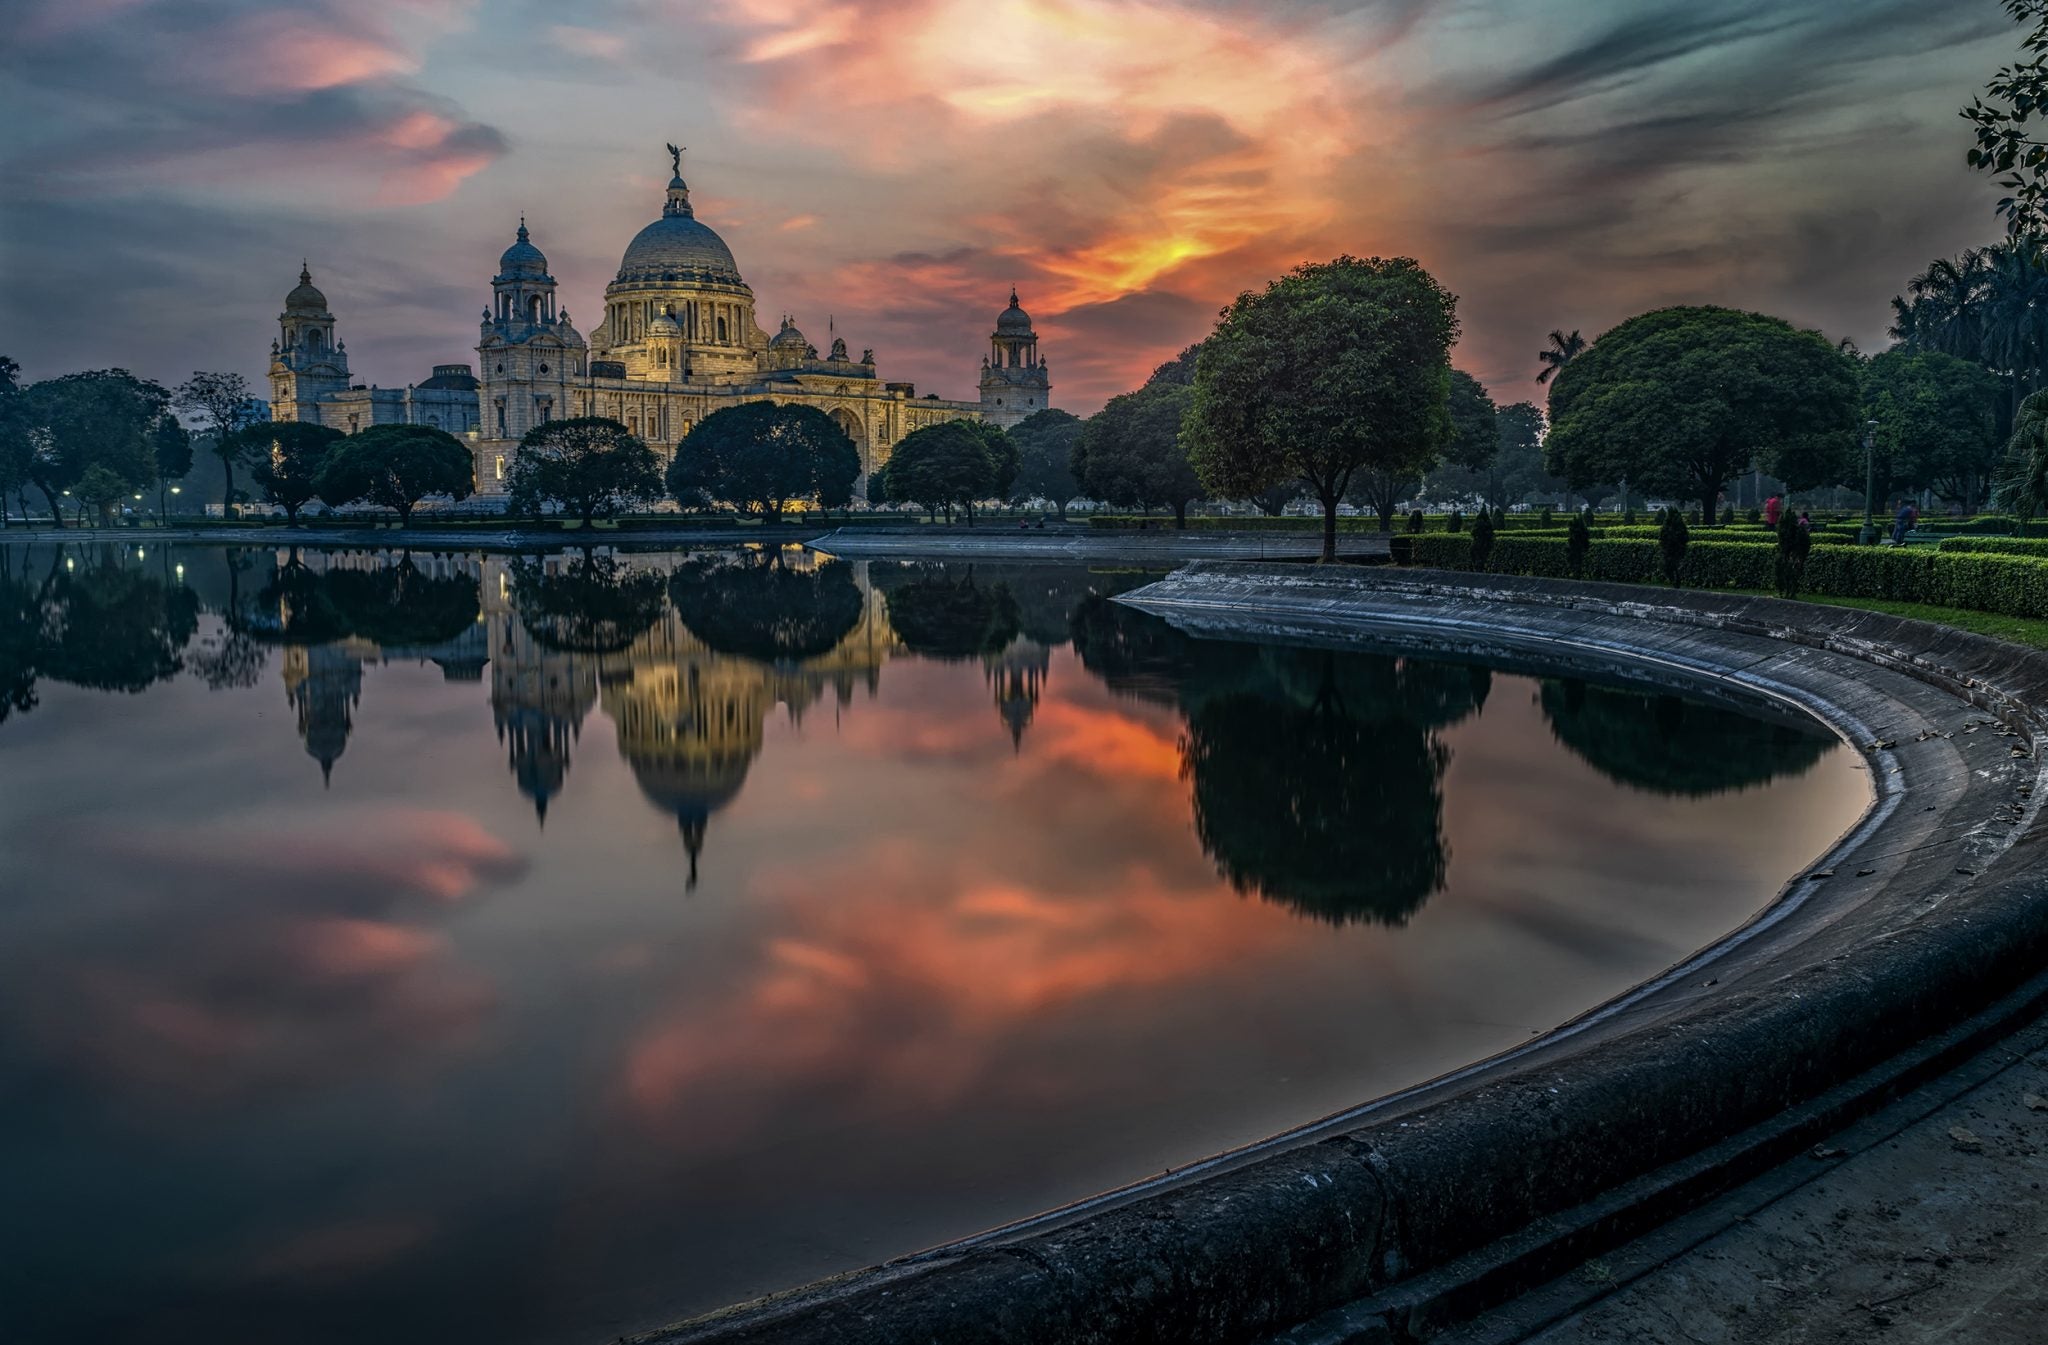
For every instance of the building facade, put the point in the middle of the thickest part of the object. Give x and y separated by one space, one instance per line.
678 340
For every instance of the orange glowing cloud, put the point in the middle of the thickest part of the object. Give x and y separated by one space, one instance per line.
279 52
1214 136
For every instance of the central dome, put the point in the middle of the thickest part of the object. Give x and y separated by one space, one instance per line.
678 247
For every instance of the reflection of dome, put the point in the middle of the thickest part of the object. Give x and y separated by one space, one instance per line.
522 259
305 299
677 246
1014 319
692 788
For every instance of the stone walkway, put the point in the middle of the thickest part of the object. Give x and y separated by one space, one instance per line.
1927 1222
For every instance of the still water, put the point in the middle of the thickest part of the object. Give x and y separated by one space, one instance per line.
538 949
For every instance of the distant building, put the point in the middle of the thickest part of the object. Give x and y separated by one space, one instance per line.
677 342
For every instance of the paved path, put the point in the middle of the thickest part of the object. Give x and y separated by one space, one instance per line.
1927 1222
1166 546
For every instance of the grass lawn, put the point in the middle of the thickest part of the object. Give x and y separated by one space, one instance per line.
2016 629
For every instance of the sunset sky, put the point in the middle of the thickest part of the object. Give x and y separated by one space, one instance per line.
1129 164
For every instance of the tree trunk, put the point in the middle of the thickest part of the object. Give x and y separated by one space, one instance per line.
227 499
1180 513
56 513
1329 556
1385 509
404 516
1710 503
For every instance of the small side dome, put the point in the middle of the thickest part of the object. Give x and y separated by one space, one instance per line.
1013 320
522 258
664 324
305 299
789 338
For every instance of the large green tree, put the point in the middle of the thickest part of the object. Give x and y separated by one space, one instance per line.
105 420
17 441
1337 368
1665 744
591 467
1936 422
943 466
1045 450
286 459
223 403
595 604
762 458
1130 453
395 467
1471 453
1004 463
1681 400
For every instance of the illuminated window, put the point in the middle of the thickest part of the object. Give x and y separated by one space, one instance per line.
501 466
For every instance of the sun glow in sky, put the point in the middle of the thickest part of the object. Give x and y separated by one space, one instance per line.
1130 165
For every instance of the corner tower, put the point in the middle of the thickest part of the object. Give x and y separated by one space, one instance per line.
306 362
529 355
1015 382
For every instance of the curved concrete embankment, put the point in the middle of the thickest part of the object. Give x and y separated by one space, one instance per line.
1919 934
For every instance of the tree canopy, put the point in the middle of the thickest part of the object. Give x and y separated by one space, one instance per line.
395 467
101 423
1681 400
1336 368
1045 449
591 467
763 457
1936 422
223 402
286 460
942 466
1130 453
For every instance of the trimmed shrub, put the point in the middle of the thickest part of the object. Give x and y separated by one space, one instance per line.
1577 542
1415 520
1454 521
1482 540
1543 519
1728 517
1443 550
1672 539
1999 546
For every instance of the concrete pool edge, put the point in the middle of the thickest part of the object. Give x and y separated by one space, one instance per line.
1510 1155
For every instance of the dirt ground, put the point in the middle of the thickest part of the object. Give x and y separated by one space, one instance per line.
1927 1222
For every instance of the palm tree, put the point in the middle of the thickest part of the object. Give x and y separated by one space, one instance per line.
1563 350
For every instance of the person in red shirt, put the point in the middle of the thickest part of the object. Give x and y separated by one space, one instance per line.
1774 508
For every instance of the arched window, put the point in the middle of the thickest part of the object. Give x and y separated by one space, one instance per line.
533 309
721 329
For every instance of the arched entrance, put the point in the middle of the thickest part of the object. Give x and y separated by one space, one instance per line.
857 432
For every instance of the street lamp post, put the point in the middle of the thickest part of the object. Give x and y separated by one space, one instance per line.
1868 536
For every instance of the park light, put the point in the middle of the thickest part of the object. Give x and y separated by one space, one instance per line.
139 555
177 490
69 563
181 569
138 494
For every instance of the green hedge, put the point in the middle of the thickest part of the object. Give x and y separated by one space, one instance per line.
2011 585
1999 546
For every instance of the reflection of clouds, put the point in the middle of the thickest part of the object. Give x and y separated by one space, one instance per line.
270 960
337 1251
899 969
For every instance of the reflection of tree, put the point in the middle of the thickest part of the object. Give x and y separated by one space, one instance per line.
228 658
592 605
1335 817
399 605
106 625
757 605
1669 745
945 613
113 628
1318 783
294 607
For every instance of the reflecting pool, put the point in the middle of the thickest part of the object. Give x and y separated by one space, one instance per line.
540 948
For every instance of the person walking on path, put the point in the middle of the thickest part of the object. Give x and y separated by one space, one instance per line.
1903 523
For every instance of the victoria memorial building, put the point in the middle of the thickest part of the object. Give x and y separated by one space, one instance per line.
678 341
